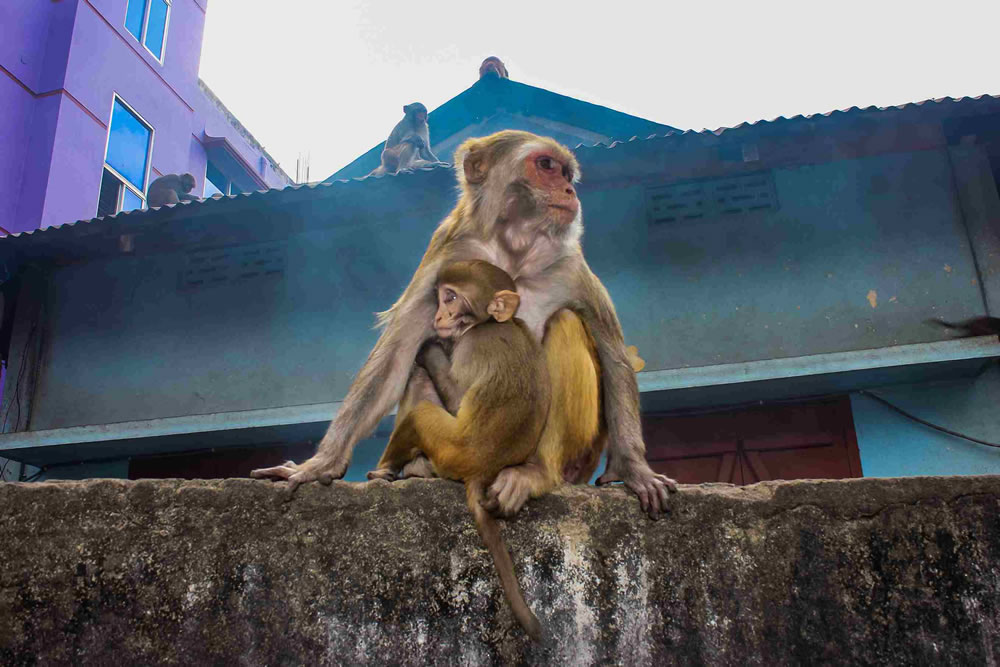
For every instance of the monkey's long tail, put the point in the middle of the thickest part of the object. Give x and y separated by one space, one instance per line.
490 532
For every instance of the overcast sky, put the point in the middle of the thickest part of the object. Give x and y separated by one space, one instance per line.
330 78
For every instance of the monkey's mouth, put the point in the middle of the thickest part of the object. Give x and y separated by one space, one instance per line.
446 332
569 211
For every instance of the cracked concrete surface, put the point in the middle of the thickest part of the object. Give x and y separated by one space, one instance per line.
866 571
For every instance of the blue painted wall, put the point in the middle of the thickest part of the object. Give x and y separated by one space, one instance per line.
857 255
125 342
892 445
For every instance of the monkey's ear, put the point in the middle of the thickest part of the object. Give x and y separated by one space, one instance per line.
476 167
503 305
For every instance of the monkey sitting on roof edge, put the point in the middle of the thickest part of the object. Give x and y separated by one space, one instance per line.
409 143
170 189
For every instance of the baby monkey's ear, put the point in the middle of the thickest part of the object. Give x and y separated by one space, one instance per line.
503 305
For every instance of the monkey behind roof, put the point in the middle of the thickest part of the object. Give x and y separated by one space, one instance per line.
497 387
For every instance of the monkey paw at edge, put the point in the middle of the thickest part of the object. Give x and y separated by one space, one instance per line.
384 474
301 473
653 489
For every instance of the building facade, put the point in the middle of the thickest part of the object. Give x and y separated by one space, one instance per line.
103 96
777 278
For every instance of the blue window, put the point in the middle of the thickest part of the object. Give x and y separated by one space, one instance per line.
126 162
129 141
135 16
147 21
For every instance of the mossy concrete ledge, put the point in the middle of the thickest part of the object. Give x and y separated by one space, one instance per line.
870 571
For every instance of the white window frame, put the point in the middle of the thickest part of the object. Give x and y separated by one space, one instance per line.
115 97
145 24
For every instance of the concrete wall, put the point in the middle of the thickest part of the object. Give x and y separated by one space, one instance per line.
66 60
856 572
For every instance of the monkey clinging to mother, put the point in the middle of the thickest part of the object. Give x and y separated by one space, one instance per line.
518 209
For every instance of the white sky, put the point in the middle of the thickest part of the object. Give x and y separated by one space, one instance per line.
329 78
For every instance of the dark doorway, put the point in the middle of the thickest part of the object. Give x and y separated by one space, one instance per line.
813 440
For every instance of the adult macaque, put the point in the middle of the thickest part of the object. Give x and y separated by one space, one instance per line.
170 189
493 66
409 143
497 393
518 210
976 326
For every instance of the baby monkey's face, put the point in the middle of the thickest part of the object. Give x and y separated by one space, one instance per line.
455 313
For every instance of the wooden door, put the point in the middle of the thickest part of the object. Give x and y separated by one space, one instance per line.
813 440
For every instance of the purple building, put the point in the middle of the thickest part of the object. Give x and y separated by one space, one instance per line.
100 97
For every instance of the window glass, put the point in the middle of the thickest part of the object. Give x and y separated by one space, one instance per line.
156 28
133 17
210 189
128 146
215 181
131 201
107 202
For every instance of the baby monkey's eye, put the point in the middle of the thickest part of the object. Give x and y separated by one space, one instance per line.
449 296
546 163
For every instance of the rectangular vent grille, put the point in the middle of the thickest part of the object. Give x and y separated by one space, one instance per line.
695 200
235 264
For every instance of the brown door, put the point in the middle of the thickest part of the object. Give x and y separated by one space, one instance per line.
795 441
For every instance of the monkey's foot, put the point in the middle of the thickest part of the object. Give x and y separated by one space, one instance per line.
301 473
418 467
652 488
509 491
386 474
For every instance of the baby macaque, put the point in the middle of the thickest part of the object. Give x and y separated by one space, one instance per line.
498 388
170 189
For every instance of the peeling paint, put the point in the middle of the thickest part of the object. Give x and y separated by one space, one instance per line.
947 268
872 298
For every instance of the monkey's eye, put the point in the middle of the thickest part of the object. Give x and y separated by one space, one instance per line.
449 296
546 163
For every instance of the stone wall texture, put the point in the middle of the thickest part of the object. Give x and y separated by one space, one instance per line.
870 571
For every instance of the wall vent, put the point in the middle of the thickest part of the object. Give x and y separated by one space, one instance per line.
233 264
695 200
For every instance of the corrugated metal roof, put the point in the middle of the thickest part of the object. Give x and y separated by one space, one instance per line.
942 103
942 106
170 211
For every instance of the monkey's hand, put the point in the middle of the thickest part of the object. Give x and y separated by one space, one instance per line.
432 356
315 469
652 488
